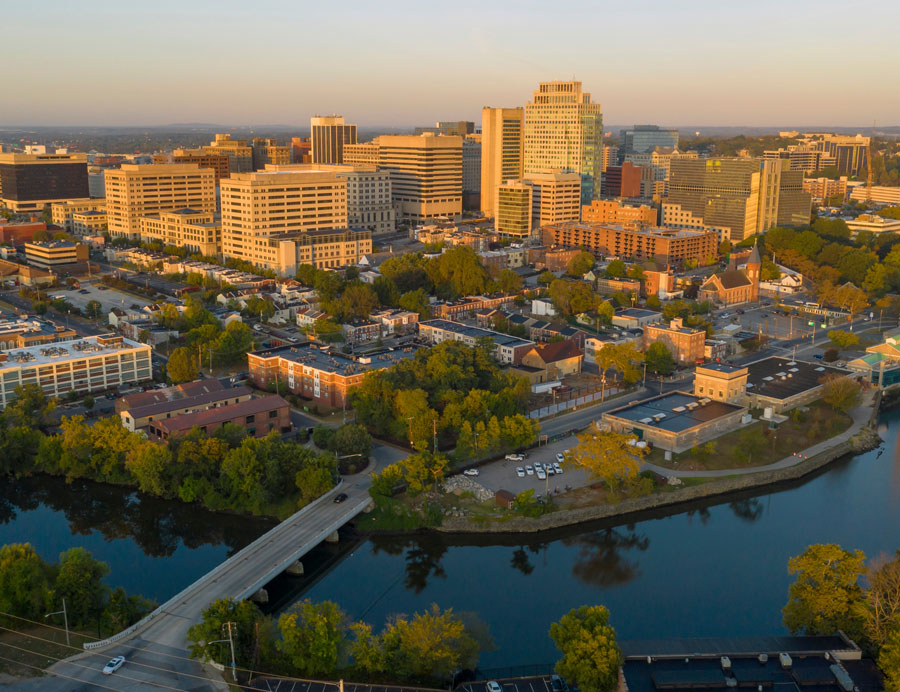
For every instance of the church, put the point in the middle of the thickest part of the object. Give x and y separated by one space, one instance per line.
734 286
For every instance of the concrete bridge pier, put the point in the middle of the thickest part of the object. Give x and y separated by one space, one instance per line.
332 537
261 596
369 507
296 569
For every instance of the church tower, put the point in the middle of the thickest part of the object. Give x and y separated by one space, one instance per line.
754 265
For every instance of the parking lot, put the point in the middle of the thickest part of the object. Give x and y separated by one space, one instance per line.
109 298
286 685
501 475
532 684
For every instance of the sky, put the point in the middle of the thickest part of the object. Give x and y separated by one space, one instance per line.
401 63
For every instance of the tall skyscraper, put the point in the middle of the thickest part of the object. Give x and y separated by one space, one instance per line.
137 190
514 209
471 179
745 196
239 153
426 174
564 132
501 151
29 182
329 135
642 139
555 197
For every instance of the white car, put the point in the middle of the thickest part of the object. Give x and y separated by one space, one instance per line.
529 470
470 472
559 457
520 472
492 686
514 457
558 469
541 475
549 470
538 466
113 665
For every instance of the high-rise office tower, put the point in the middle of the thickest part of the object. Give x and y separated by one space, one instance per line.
555 197
514 209
269 152
564 132
642 139
29 182
426 174
471 178
239 153
301 150
610 156
744 196
219 163
137 190
849 153
286 216
329 134
449 127
501 151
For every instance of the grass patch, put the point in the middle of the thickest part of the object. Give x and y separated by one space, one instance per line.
40 654
802 429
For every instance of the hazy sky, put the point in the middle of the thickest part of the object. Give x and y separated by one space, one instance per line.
390 62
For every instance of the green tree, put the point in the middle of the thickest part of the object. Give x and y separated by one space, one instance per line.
205 638
653 303
889 661
605 312
352 440
79 580
509 281
842 338
659 358
608 456
616 269
416 301
839 392
590 653
182 366
580 264
25 581
636 272
881 607
547 277
314 637
826 594
750 444
328 330
88 402
93 310
123 610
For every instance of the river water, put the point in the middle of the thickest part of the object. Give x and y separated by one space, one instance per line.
711 569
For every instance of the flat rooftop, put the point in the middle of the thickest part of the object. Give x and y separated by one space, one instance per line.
675 412
782 378
335 361
87 347
637 313
721 367
477 333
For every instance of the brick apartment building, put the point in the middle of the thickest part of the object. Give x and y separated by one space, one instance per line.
686 344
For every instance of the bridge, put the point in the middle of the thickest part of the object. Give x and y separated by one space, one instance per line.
243 575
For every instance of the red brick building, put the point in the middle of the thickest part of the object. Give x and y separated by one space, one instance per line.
258 417
622 181
686 343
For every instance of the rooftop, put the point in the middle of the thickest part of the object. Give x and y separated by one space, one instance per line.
87 347
477 333
721 367
174 404
637 313
675 412
780 378
222 414
334 361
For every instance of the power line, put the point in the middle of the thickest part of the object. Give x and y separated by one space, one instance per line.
60 675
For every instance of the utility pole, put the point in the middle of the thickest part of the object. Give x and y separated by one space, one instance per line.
434 422
231 641
65 618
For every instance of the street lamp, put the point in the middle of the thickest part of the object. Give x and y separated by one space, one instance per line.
65 618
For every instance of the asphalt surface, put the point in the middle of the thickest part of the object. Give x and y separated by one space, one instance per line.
530 684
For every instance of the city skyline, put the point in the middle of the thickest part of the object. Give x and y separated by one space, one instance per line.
105 64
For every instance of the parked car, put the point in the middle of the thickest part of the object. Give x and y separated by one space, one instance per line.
558 684
559 457
520 472
538 466
541 475
113 665
493 686
529 470
514 457
557 468
338 499
818 356
549 470
470 472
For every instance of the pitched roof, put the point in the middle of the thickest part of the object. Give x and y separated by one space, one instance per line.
560 350
730 278
222 414
754 256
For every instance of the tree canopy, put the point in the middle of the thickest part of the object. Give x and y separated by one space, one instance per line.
590 653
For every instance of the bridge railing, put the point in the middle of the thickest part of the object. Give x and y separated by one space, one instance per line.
147 620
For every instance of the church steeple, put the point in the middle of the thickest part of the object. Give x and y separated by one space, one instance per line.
754 266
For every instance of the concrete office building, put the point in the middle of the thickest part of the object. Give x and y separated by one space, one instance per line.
564 132
329 134
198 231
91 364
661 245
426 174
29 182
824 189
56 256
880 194
609 211
301 150
514 209
460 128
62 213
219 163
135 191
239 153
284 203
91 222
610 156
849 153
361 154
471 158
746 196
645 138
268 152
555 197
502 132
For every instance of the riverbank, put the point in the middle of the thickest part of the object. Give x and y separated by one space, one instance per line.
860 437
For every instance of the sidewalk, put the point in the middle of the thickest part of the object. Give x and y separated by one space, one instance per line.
861 415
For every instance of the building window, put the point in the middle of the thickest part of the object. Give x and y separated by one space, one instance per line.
250 419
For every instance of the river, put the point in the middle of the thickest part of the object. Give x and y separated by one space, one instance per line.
707 570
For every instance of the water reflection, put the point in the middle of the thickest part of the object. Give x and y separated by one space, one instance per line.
423 558
601 559
157 526
749 510
521 561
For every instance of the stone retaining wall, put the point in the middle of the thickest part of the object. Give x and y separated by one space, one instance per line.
864 440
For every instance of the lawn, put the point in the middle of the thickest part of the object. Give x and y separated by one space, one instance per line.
34 648
803 429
